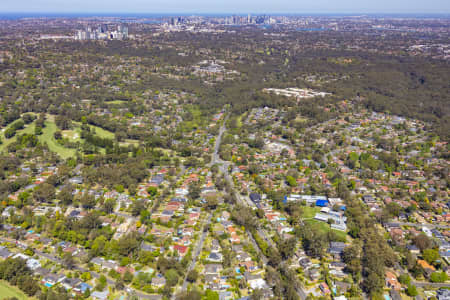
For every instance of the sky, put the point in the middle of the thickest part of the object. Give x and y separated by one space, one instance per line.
228 6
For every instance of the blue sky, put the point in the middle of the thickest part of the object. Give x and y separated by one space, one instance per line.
228 6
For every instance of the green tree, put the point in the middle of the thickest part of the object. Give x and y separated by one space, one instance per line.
430 255
257 294
119 284
192 276
153 191
291 181
128 245
137 207
411 290
211 295
44 192
374 283
108 206
286 247
28 118
194 191
101 283
65 195
68 260
439 277
28 285
189 295
422 241
171 277
404 279
29 251
127 277
88 201
86 276
38 130
58 135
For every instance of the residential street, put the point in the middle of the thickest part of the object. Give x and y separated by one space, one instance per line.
223 166
197 251
429 226
93 274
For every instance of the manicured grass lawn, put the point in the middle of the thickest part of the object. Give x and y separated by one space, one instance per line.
325 228
53 145
128 142
9 291
72 135
308 217
50 128
321 226
240 118
167 152
47 137
29 128
102 132
98 130
342 235
116 102
309 212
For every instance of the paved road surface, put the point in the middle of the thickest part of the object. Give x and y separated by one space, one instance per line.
425 284
224 166
197 251
215 156
421 284
430 226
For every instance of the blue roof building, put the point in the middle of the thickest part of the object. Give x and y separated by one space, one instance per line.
322 203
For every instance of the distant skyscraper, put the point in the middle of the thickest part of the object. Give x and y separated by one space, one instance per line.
102 32
122 29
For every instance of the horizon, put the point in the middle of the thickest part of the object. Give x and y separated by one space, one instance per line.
226 7
210 14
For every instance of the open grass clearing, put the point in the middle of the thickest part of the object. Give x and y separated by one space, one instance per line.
29 128
48 138
9 291
325 228
102 132
128 142
116 102
309 212
72 135
98 130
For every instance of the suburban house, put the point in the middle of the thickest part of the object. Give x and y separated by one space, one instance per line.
158 281
392 282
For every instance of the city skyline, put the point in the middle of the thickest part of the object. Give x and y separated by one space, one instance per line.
233 6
